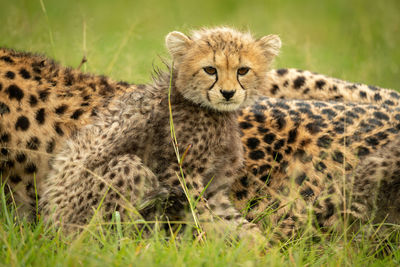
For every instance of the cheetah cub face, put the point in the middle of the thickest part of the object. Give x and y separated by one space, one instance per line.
221 68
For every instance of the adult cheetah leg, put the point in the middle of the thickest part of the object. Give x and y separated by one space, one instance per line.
376 190
74 193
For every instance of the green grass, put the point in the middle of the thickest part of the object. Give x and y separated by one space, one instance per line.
26 244
356 40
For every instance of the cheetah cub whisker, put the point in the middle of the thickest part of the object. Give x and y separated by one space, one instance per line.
216 72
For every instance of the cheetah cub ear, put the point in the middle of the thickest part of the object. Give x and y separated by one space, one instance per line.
270 44
177 44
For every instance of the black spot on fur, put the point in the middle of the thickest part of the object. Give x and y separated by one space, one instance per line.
373 88
381 116
259 117
68 78
331 114
324 141
24 73
4 109
298 82
77 113
252 143
281 122
257 154
377 97
363 94
338 156
339 107
241 194
389 102
292 136
282 105
14 92
44 94
21 157
266 178
278 144
10 75
58 129
33 143
320 84
372 141
282 72
339 129
362 151
245 125
395 95
269 138
4 151
9 164
277 156
300 179
303 104
253 203
319 104
7 59
50 146
274 89
359 110
375 122
244 181
15 178
30 168
313 127
40 115
320 166
306 193
61 109
5 138
33 100
263 130
22 123
381 135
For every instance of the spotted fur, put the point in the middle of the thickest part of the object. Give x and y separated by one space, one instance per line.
42 104
207 89
301 156
306 85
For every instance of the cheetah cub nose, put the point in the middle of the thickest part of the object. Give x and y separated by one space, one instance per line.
227 94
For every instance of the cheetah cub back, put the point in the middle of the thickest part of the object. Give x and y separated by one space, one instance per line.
126 156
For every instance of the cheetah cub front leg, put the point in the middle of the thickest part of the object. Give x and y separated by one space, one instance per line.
95 173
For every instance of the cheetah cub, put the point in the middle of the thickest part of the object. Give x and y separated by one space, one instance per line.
126 156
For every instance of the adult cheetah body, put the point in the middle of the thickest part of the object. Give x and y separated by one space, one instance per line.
41 105
301 156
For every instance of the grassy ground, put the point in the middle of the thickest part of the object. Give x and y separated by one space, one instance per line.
356 40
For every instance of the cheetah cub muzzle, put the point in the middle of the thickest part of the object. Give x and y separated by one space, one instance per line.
126 157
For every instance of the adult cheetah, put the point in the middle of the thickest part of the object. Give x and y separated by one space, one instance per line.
42 104
301 156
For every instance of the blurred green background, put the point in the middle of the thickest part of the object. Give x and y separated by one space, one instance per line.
356 40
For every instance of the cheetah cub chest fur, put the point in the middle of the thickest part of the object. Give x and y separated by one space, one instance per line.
127 155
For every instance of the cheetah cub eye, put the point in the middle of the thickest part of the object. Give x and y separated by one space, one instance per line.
243 70
210 70
221 68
